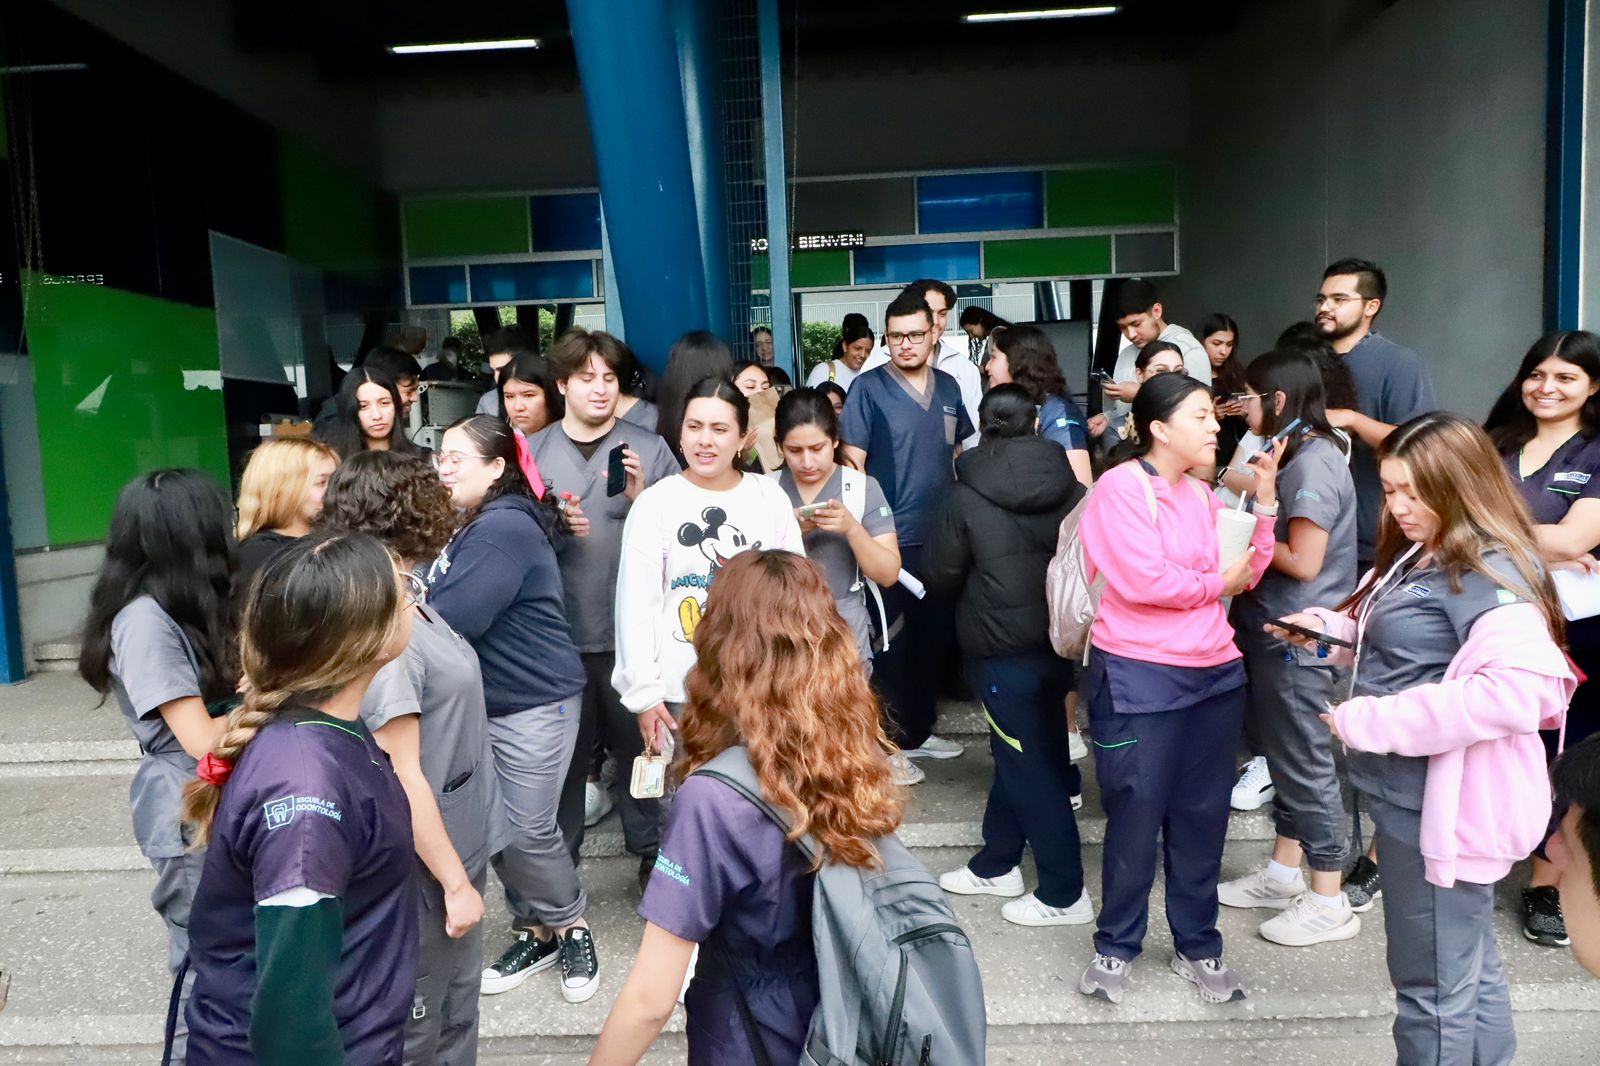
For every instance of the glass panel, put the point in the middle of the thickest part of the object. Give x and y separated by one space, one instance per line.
978 203
562 279
897 264
439 285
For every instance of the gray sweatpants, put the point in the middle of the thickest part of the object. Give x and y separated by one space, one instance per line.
532 750
1286 699
1454 1005
173 897
443 1027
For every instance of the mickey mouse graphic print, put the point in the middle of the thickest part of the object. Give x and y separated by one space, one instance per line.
676 539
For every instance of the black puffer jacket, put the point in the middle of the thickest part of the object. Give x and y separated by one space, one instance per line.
995 536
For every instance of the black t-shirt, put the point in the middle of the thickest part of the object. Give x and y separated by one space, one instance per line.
253 555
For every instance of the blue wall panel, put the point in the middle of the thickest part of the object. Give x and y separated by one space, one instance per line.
439 285
897 264
980 203
512 282
565 222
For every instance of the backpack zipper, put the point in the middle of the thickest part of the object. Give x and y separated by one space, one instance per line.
891 1035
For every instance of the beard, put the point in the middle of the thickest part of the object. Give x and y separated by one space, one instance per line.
1335 332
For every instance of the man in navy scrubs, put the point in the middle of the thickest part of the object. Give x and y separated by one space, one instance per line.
902 423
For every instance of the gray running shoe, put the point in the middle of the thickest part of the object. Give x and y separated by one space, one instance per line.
1363 886
1105 978
1211 977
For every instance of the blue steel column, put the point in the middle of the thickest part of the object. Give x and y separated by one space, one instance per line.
11 665
628 63
784 335
700 65
1563 233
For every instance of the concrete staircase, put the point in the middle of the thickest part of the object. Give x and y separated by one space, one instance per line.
89 982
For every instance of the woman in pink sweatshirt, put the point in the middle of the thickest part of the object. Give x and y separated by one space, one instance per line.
1165 683
1457 664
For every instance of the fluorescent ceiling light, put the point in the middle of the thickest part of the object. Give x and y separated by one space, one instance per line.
1044 13
466 46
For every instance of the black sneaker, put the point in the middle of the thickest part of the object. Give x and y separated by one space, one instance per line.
527 954
1362 885
580 966
1542 922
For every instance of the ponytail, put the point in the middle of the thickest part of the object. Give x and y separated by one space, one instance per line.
202 795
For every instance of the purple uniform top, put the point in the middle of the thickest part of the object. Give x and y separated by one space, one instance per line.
312 803
1571 474
725 874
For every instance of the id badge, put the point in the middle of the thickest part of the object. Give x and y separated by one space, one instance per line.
649 777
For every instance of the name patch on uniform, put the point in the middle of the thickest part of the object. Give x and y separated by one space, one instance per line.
1572 477
1418 591
1307 494
671 869
885 512
282 811
1506 596
950 411
1061 423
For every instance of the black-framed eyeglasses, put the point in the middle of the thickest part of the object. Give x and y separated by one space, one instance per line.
916 336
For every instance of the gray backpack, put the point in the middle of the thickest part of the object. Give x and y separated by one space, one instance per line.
899 983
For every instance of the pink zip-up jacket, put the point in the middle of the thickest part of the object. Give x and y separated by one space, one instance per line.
1162 599
1486 804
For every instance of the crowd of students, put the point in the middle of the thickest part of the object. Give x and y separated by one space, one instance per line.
386 670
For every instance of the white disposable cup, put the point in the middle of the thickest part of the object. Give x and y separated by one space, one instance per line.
1234 530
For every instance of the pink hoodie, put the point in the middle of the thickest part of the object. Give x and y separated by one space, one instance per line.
1162 600
1486 804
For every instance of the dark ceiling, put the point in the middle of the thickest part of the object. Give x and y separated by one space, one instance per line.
345 41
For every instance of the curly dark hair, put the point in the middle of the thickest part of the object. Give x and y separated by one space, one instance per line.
397 498
1032 359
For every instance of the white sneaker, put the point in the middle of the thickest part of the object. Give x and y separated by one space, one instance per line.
1259 890
1307 922
597 803
1029 911
936 748
904 771
1255 787
1077 802
1077 748
964 882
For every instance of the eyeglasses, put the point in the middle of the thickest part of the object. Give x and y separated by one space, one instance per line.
1246 397
416 589
894 340
1337 299
450 460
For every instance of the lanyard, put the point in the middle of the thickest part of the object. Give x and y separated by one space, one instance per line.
1364 612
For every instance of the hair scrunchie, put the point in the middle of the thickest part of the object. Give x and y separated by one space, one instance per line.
530 469
212 770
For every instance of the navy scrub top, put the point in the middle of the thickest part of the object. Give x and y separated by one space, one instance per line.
1570 475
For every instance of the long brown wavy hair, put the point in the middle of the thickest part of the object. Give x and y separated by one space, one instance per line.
777 670
1458 475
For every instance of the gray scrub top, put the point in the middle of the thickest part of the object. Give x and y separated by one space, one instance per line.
589 564
438 679
1316 485
832 551
152 664
1416 626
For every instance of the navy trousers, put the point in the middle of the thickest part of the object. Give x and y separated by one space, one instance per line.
1166 774
922 641
1030 796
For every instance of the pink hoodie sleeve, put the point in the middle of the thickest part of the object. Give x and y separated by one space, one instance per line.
1125 546
1517 683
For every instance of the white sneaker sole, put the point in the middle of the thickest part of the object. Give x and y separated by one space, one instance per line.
1039 923
493 986
967 888
1258 905
1347 931
919 753
1254 804
1183 970
1369 904
1098 991
583 993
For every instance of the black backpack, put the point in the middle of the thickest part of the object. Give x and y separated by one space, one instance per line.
899 983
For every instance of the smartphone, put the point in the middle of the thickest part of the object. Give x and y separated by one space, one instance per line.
1100 376
616 473
1302 631
1286 430
810 510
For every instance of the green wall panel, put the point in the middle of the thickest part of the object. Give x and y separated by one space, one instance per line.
1046 257
122 384
331 218
1110 196
813 269
484 225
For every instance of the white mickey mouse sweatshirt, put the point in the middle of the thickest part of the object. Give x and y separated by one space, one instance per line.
675 539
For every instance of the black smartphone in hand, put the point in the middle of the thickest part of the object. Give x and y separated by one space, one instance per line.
1302 631
616 473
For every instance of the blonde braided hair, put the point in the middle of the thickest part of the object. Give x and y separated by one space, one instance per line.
321 612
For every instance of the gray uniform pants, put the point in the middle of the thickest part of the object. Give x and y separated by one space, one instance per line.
443 1027
532 750
1286 699
1454 1005
173 896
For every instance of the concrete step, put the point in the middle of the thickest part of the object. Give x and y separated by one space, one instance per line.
1333 996
80 823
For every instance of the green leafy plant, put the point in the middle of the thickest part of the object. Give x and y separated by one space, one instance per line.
817 341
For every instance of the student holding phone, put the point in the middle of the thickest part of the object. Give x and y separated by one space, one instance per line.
607 462
1546 426
1457 665
1165 683
679 533
1313 562
1157 357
